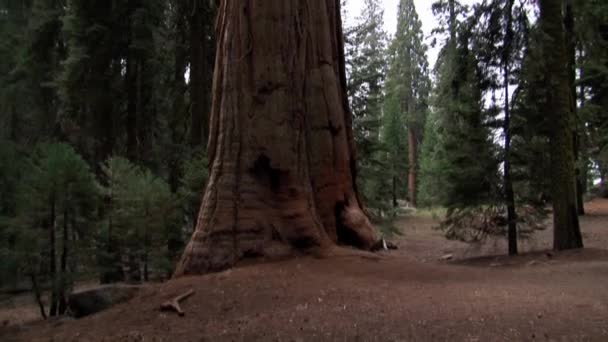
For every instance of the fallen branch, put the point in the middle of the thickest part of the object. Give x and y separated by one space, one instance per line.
173 305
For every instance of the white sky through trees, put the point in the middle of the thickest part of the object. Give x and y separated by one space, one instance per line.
423 7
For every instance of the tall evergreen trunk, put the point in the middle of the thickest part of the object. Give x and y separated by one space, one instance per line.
53 257
281 142
175 243
567 233
112 263
103 112
199 93
584 176
63 303
15 123
571 52
146 255
132 99
394 192
411 138
38 295
508 183
452 9
145 110
413 165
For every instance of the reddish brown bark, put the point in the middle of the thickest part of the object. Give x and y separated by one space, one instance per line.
566 227
281 144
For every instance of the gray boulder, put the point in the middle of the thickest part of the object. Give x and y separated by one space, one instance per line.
88 302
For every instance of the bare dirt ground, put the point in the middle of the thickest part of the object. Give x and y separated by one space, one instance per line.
407 295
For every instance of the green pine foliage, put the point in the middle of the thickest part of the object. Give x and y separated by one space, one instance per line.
432 185
366 66
531 163
394 136
57 205
591 24
407 102
139 209
463 161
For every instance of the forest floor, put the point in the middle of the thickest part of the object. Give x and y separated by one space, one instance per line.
411 294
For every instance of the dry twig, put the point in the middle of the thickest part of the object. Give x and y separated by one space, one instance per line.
173 305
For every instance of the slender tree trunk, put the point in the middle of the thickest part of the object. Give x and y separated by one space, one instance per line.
571 52
508 183
131 91
413 165
567 233
412 127
146 259
394 192
38 295
15 132
64 265
146 250
281 141
584 176
134 266
175 242
53 258
452 9
198 95
73 260
112 264
145 113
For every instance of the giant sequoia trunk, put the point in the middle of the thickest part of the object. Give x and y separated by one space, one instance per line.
281 144
567 233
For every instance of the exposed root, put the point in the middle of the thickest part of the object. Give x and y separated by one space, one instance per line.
360 232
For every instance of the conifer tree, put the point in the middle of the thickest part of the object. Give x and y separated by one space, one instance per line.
409 84
58 196
500 36
365 46
465 152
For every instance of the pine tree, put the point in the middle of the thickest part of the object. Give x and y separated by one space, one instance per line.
465 152
501 35
529 126
409 84
365 47
139 209
58 195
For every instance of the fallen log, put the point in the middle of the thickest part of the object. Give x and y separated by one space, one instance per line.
173 305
